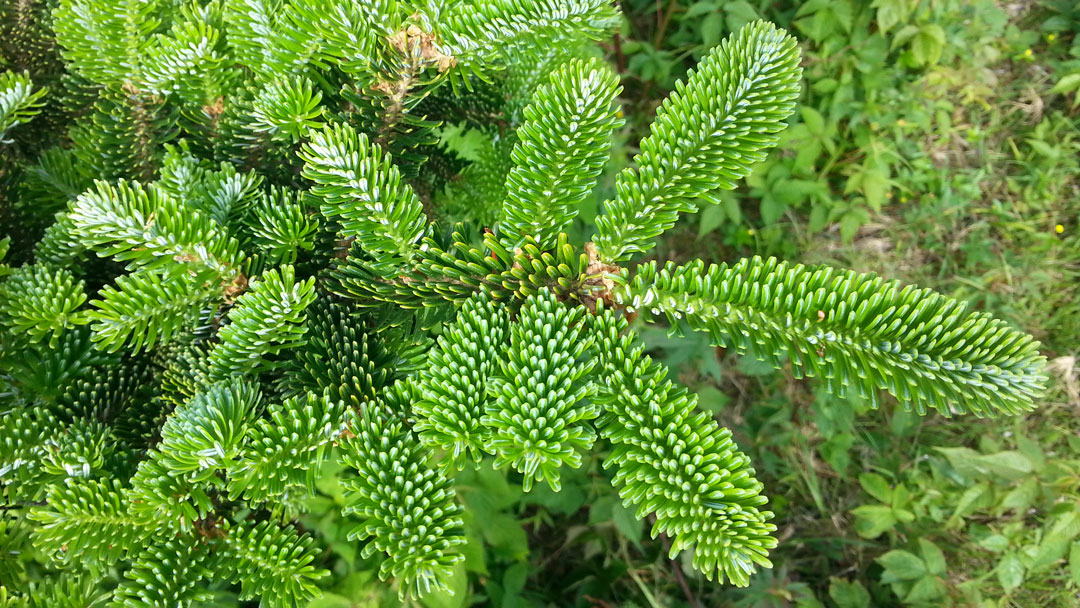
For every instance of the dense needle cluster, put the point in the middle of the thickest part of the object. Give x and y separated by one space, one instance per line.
240 255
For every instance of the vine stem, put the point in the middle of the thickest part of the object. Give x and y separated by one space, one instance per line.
677 570
649 597
661 29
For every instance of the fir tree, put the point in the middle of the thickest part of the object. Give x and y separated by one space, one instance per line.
247 240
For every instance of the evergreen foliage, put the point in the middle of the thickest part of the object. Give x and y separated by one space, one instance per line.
290 276
19 102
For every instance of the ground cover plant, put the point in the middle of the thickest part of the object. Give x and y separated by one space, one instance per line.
977 145
300 292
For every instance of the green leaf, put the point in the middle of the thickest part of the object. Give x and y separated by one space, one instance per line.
772 209
813 120
837 451
1050 551
850 223
928 43
712 217
738 13
1010 572
848 594
966 461
901 566
712 28
1066 525
1074 562
926 589
1069 83
505 534
968 501
933 557
874 186
871 521
456 593
1007 464
700 8
995 542
1021 497
1032 451
629 526
876 486
890 13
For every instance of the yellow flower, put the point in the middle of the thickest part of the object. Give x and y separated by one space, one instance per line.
1050 37
1027 53
1059 229
751 232
901 123
903 199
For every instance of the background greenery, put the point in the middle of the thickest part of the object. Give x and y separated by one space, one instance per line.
938 141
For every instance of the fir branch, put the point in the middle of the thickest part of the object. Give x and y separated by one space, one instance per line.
158 495
562 148
190 61
538 419
204 435
478 33
266 320
706 136
406 508
675 462
165 574
453 388
145 225
288 109
88 520
343 354
106 40
38 302
270 562
281 227
24 438
19 102
359 186
286 449
853 330
148 307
